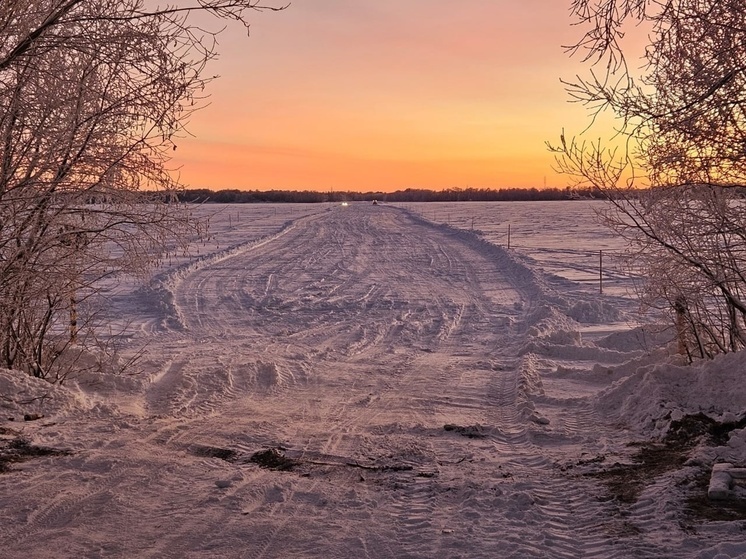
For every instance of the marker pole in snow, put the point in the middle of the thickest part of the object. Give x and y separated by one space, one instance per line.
73 319
508 236
601 271
681 308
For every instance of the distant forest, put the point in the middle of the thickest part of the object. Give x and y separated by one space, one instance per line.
234 196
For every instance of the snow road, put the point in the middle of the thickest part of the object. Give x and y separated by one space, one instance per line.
392 361
361 333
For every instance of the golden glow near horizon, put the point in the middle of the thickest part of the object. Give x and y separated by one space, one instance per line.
385 95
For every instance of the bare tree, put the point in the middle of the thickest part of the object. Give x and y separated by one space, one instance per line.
93 96
677 174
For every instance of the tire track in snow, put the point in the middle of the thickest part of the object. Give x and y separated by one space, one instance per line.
429 324
401 327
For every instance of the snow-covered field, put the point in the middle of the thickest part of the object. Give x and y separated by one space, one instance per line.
563 237
380 381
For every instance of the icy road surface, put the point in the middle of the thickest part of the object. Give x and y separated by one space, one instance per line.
391 363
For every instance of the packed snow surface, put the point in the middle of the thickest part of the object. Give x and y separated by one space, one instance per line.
371 381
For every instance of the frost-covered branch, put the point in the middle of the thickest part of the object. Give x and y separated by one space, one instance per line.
675 168
94 95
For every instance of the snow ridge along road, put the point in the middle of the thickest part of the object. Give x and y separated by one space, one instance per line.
391 362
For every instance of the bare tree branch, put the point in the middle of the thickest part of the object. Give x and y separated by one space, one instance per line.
677 181
93 95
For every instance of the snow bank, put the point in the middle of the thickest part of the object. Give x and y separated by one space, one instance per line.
160 291
654 395
646 338
23 395
92 385
594 312
646 387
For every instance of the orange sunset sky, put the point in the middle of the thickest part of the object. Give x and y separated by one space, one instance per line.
386 95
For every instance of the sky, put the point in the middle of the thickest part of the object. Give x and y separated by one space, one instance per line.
386 95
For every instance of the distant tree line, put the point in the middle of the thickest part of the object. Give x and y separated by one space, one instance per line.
235 196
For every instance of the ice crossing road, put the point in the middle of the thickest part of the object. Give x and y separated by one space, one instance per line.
391 362
350 341
353 280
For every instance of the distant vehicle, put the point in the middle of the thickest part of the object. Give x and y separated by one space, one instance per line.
345 204
375 202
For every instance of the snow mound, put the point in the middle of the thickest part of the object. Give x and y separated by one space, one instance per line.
646 338
594 312
21 394
90 381
548 323
530 387
653 395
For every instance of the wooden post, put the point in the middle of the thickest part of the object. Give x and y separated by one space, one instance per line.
78 240
73 319
680 307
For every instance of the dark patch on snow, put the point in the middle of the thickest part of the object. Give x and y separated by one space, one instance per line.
700 507
692 428
593 312
20 449
273 459
469 431
214 452
625 482
624 529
